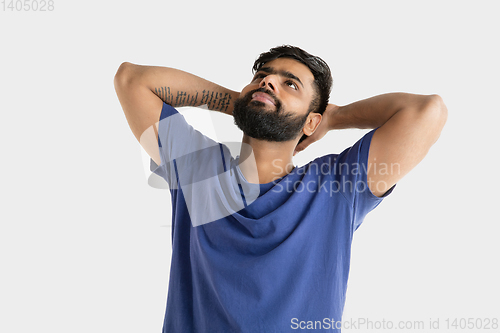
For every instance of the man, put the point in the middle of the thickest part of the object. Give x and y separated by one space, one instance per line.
258 244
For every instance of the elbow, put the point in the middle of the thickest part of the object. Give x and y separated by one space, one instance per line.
435 114
439 110
124 76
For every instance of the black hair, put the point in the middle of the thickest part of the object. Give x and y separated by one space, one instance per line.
318 67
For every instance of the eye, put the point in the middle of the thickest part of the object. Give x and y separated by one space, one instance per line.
291 84
259 76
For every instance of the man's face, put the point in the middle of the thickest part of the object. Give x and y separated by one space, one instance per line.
274 106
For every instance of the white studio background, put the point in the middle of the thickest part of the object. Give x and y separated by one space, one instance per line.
85 242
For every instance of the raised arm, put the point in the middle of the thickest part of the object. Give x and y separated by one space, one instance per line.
143 89
408 125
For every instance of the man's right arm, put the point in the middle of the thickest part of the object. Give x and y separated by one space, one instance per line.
143 89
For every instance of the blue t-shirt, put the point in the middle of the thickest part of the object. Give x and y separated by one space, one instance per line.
258 257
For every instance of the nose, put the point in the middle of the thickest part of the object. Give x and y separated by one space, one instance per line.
269 81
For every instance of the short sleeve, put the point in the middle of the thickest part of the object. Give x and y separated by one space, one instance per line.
201 169
351 169
180 147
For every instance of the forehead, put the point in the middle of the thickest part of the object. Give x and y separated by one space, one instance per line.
293 66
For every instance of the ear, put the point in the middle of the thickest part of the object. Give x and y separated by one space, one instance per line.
312 123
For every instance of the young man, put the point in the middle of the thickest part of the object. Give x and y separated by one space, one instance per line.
258 244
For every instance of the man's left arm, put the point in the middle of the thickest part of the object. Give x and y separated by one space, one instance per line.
407 126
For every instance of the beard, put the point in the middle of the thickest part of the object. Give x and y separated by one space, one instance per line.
269 125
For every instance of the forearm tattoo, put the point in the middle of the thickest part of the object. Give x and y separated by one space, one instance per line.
216 101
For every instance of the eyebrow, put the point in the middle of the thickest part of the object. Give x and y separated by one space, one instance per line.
287 74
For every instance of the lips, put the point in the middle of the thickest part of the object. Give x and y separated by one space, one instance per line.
263 97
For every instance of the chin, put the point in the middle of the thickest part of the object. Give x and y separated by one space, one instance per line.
262 106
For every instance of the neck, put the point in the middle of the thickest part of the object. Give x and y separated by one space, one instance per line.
263 161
